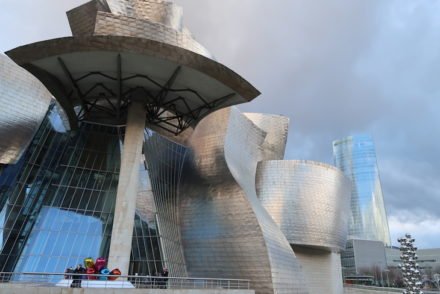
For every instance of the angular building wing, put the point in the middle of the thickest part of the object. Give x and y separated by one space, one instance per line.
356 157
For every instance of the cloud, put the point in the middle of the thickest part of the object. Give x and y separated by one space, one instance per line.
424 229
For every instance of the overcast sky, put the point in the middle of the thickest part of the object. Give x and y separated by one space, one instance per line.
336 68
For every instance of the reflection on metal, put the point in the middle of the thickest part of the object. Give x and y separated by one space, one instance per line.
308 200
155 20
24 102
356 157
225 230
276 128
166 13
124 51
310 203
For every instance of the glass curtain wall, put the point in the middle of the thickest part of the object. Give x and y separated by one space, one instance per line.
356 157
57 202
156 238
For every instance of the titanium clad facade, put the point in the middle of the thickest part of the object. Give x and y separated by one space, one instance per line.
356 157
225 230
155 20
276 128
308 200
24 101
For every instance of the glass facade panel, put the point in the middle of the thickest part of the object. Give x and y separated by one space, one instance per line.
57 203
53 244
356 157
158 228
145 252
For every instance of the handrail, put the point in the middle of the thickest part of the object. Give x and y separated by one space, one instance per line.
85 280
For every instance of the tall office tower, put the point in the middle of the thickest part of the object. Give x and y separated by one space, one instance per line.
356 157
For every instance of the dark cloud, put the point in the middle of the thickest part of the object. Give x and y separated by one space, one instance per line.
334 67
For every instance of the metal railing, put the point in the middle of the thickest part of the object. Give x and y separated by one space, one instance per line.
110 281
385 289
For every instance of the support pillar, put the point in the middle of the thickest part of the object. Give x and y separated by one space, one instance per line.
122 232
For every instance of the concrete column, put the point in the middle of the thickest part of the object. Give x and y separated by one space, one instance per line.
120 246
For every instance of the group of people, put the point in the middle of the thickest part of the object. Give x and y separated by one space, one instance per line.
77 275
160 280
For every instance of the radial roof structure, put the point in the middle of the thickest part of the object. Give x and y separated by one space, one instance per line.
123 51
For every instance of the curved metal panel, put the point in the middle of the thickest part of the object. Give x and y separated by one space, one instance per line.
156 20
24 101
356 157
163 12
308 200
276 128
119 25
225 230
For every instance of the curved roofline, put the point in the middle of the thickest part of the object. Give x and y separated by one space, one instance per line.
35 51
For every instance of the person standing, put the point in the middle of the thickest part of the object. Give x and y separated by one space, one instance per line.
164 279
77 277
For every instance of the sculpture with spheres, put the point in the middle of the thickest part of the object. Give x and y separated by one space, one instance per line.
410 268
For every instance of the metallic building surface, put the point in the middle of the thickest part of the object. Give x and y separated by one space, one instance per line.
156 20
308 200
356 157
24 101
276 128
225 230
163 12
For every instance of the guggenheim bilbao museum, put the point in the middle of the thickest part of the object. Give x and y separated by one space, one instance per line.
123 141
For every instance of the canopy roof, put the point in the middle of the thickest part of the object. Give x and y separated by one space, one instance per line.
94 78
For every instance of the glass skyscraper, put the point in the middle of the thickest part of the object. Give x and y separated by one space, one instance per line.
356 157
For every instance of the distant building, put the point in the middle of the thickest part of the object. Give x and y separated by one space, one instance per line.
366 258
363 257
428 259
356 157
